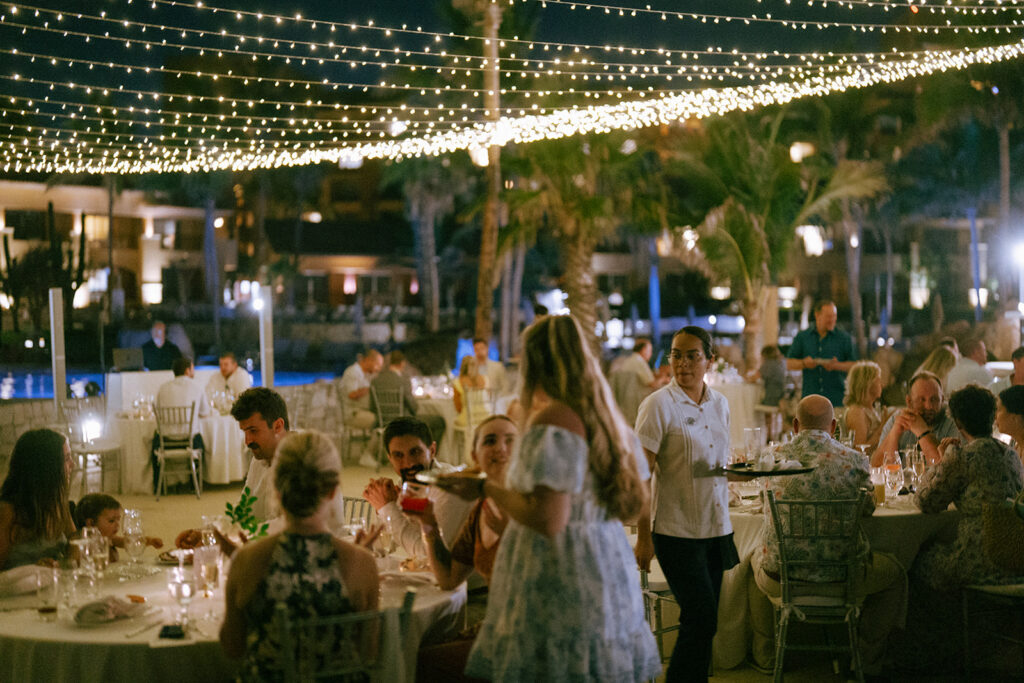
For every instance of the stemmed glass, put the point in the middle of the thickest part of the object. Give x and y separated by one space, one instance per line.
83 572
182 587
134 541
893 475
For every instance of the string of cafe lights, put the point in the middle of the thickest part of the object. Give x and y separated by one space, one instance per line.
545 67
604 118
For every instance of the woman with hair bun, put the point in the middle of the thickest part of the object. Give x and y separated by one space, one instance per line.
304 567
564 602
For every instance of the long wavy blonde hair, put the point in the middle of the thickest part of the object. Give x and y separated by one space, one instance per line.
858 382
939 362
558 360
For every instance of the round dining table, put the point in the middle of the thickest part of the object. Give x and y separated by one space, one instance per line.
131 650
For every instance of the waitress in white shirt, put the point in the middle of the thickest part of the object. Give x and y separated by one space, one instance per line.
684 429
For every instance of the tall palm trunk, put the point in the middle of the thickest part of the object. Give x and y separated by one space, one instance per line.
423 213
578 250
853 232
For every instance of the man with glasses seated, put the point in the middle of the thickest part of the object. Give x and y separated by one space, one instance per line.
839 472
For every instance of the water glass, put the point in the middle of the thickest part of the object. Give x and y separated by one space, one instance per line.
206 567
47 583
67 596
134 545
893 475
100 555
753 439
182 587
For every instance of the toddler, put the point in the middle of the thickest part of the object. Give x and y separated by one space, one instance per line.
104 513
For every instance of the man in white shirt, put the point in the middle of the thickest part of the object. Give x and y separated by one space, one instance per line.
633 380
970 369
1014 378
411 449
496 379
231 379
183 390
263 418
355 390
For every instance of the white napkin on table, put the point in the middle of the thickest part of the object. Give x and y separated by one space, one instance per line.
106 610
789 465
18 581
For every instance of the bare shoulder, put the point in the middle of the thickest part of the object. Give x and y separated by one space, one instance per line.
560 415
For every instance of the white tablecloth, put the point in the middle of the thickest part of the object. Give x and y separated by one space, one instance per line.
742 397
898 530
33 650
225 458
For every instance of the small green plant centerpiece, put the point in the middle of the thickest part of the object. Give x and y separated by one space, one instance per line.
241 515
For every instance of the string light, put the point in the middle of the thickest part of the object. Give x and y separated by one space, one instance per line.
19 155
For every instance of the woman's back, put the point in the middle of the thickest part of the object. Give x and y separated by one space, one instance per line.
305 576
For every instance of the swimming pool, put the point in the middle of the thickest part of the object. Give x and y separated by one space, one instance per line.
38 383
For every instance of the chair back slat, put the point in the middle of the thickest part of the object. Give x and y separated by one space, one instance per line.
356 509
337 646
175 424
817 537
389 403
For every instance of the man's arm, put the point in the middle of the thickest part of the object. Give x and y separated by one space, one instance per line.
890 442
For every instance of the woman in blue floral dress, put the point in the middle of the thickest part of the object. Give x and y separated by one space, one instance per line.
305 568
565 601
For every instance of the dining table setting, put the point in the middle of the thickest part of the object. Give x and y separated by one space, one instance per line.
156 615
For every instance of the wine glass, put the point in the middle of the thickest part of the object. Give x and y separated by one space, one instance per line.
206 566
893 475
182 587
134 545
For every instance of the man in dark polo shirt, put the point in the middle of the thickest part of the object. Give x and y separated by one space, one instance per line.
158 353
824 353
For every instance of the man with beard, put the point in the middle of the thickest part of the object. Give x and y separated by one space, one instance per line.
924 422
411 449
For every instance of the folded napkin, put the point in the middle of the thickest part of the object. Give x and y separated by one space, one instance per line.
410 577
18 581
106 610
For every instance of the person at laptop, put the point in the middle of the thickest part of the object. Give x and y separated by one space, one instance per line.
158 353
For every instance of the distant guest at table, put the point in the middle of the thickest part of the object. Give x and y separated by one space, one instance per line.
354 389
1015 378
412 449
923 423
182 391
772 374
840 472
304 567
1010 417
493 372
393 379
564 601
981 470
633 380
35 521
231 380
824 353
970 369
862 418
468 389
158 353
939 362
475 547
684 429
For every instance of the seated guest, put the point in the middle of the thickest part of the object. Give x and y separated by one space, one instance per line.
1010 416
183 390
923 422
158 353
983 470
840 472
939 362
392 378
303 567
104 512
772 373
632 380
970 369
231 379
354 390
863 389
493 372
412 449
467 388
35 522
1016 377
474 548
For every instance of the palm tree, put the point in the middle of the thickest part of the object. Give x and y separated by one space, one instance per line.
754 199
580 189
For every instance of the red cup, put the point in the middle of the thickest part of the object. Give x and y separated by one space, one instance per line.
414 504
